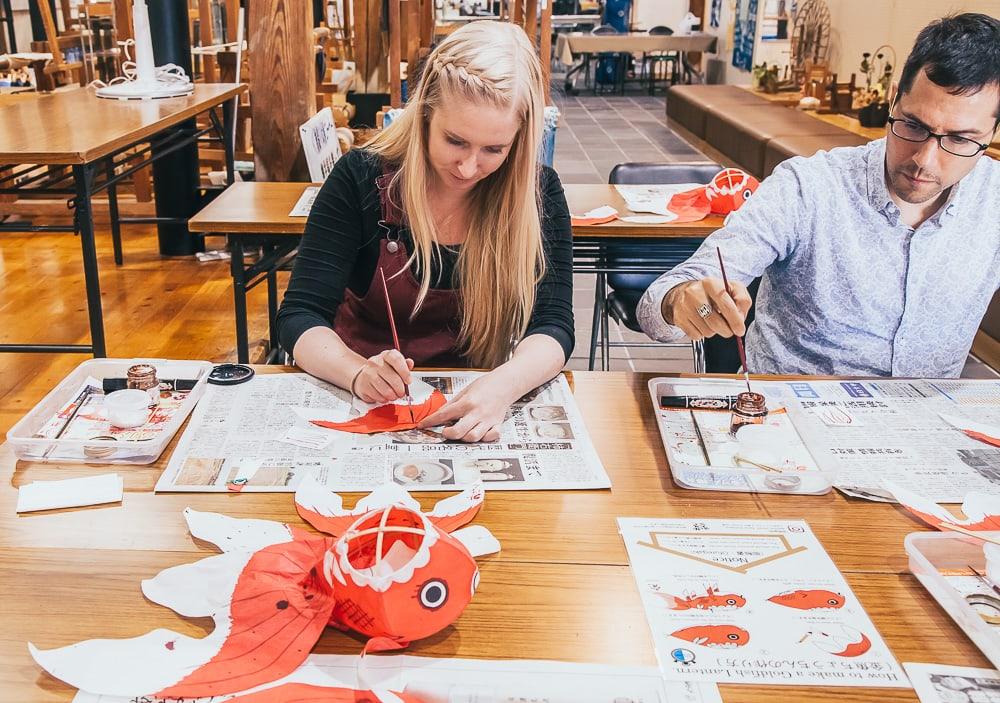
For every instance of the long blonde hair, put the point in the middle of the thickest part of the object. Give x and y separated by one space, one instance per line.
502 260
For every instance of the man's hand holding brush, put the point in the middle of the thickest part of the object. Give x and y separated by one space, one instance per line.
704 308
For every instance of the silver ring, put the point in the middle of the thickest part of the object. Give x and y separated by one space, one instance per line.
704 311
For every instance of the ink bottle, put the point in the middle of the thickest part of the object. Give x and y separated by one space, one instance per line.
750 409
143 377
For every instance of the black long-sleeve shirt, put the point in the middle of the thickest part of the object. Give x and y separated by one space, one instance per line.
340 250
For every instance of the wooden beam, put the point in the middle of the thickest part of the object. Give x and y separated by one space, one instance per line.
517 14
66 14
545 49
123 20
531 20
427 21
412 35
282 86
232 13
51 35
205 35
395 87
348 31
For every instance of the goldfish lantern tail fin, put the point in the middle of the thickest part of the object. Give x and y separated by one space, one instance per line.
457 510
324 509
690 205
235 535
279 608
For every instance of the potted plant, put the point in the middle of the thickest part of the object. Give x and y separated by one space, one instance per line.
873 103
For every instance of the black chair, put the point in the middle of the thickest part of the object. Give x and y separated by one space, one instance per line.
630 268
651 60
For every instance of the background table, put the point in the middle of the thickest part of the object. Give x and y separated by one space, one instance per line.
91 136
256 214
560 588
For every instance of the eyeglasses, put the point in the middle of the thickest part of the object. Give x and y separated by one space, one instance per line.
910 131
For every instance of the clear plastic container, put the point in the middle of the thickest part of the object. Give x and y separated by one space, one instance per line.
29 447
694 469
932 554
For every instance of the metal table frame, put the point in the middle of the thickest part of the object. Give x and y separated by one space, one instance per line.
603 256
83 181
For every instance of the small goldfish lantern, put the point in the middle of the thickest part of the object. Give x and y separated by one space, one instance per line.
727 192
389 572
730 188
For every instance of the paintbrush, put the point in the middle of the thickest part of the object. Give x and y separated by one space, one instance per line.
395 337
739 339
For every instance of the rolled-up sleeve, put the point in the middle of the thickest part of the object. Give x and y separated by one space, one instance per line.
762 231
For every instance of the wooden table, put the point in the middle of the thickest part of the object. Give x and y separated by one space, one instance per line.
40 138
586 44
560 589
257 214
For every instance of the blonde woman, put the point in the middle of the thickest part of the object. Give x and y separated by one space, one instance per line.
476 242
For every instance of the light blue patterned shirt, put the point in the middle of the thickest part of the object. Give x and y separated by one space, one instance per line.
848 288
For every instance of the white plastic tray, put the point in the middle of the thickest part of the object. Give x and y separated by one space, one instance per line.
26 446
688 474
931 553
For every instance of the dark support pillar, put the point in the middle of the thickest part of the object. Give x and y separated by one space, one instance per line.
175 177
37 26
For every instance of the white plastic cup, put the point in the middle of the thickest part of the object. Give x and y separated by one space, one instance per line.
127 408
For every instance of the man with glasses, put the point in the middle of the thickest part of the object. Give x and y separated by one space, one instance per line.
875 260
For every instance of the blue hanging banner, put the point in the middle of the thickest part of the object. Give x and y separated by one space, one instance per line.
744 33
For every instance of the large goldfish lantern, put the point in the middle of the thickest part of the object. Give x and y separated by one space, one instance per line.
389 571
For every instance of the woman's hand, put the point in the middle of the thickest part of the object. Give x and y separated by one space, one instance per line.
479 408
381 378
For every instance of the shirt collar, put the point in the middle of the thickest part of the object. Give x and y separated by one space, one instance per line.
878 191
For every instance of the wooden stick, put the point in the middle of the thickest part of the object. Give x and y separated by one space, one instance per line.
395 337
968 533
395 88
739 339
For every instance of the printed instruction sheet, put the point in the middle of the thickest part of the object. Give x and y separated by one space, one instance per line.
752 602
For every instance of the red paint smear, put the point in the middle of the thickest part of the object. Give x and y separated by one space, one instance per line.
987 439
391 417
856 649
280 606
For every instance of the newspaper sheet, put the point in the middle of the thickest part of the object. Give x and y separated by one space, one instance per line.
867 432
937 683
752 602
481 681
253 437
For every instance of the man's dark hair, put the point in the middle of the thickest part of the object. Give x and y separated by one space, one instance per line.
959 52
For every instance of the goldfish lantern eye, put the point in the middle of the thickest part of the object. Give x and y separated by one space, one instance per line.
747 193
433 594
475 582
730 601
733 636
833 601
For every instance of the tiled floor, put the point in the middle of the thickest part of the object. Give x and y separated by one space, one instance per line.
595 134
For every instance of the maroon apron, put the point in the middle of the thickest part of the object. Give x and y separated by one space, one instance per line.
430 338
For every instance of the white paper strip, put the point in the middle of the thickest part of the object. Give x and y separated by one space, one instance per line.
70 493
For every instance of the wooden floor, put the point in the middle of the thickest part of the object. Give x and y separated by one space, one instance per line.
154 306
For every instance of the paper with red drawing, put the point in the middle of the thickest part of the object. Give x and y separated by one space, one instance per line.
754 602
270 433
